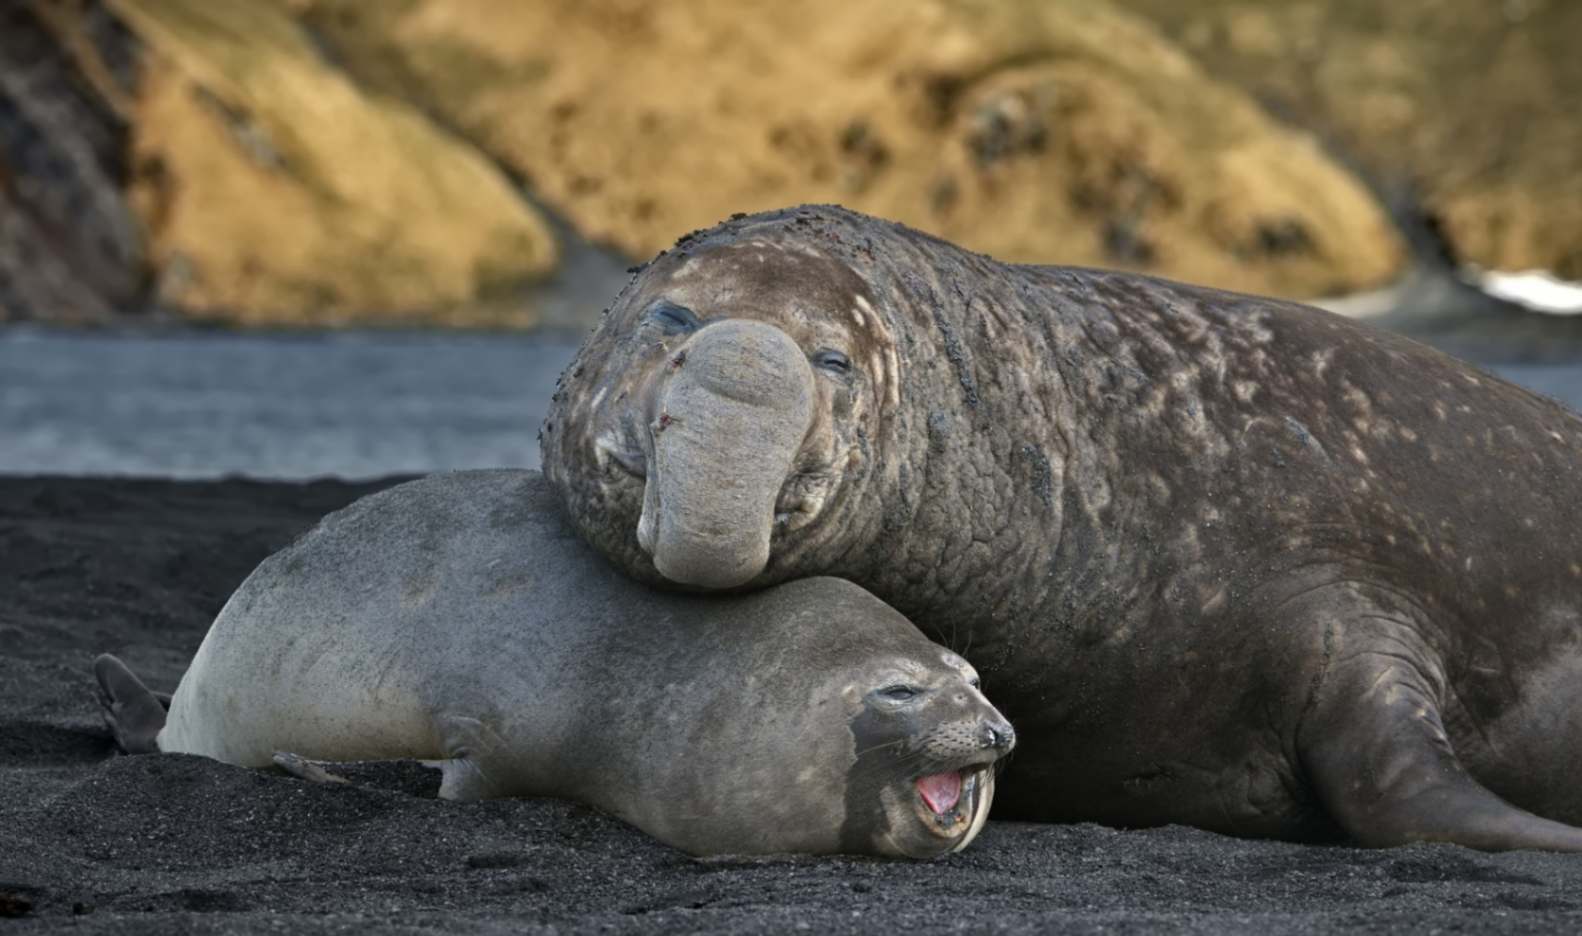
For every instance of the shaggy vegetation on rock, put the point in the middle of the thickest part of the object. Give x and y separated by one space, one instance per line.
1052 132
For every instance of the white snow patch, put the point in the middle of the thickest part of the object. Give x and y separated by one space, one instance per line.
1538 290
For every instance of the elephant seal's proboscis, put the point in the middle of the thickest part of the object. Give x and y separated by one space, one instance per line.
459 620
1226 561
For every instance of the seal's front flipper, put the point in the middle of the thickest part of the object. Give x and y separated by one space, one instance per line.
414 778
304 769
463 779
133 713
471 744
1377 753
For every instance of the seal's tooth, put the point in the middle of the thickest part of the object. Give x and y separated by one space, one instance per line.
982 799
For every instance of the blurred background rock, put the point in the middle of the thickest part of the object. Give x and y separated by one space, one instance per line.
496 162
1474 107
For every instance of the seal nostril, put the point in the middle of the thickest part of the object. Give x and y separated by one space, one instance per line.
998 736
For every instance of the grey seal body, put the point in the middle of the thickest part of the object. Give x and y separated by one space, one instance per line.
1226 561
459 619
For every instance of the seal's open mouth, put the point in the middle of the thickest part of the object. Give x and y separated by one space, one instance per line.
956 802
940 792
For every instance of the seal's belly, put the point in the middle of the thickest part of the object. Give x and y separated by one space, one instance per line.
234 708
1531 752
1256 796
245 730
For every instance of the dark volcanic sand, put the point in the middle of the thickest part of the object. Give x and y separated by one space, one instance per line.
95 842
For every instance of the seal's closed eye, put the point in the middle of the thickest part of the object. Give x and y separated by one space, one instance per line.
674 319
836 362
899 693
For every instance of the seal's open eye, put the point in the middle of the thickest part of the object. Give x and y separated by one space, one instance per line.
833 361
975 683
674 319
899 693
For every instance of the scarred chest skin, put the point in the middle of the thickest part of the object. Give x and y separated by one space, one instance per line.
1178 529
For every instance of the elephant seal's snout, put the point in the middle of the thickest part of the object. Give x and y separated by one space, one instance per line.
728 418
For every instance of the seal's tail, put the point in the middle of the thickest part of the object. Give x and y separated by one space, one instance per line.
134 714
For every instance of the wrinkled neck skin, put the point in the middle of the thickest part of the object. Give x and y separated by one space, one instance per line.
1045 414
986 471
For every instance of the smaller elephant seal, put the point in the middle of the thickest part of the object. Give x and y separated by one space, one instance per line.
459 620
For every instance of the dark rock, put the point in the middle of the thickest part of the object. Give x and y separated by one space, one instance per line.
70 246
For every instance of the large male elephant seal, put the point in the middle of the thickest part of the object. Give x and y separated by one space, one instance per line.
1226 561
459 618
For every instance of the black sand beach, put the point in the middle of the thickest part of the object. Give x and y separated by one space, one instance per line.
100 843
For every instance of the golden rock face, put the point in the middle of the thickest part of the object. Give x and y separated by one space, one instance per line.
281 162
1062 132
274 191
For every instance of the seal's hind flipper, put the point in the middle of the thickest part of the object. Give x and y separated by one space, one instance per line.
1377 753
132 712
